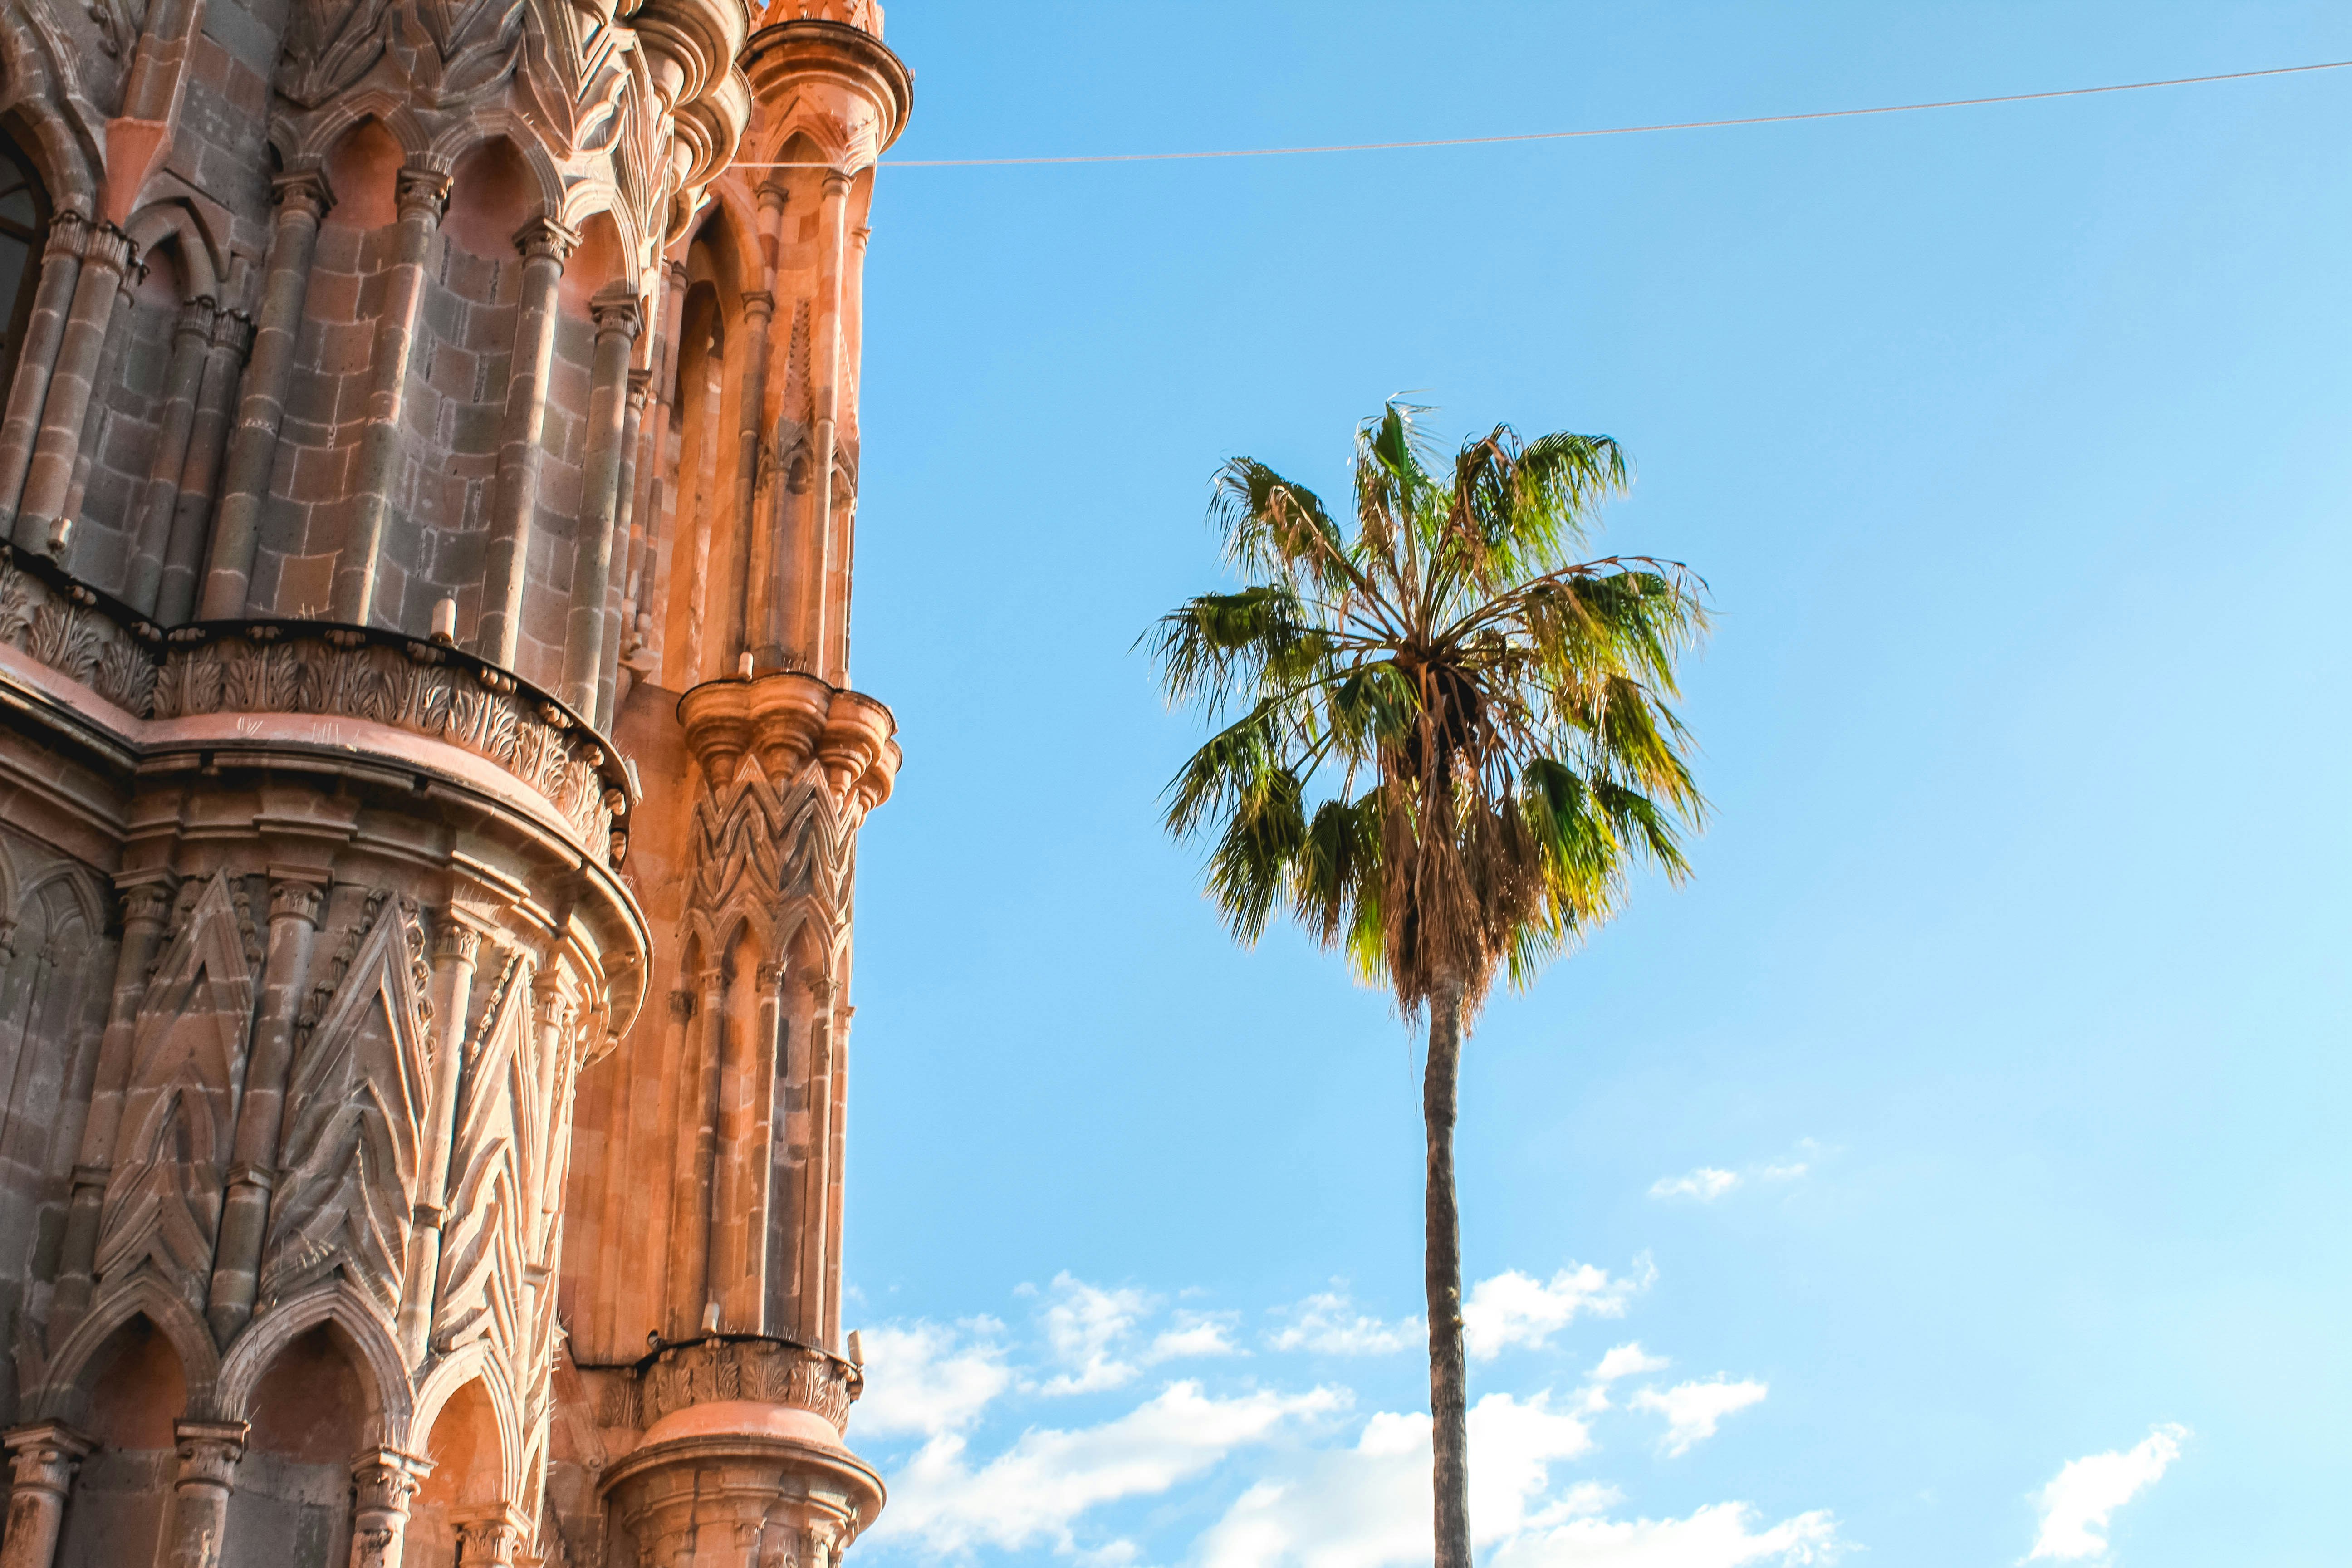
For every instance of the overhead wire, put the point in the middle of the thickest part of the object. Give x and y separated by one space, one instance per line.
1572 135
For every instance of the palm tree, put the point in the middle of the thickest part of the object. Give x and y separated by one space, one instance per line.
1448 749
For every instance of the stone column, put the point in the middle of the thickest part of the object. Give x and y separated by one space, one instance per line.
286 964
817 1177
653 459
303 200
145 909
107 256
98 415
52 299
455 953
198 1519
832 237
190 337
231 335
697 1149
759 533
545 243
615 310
386 1481
44 1458
624 526
851 358
424 196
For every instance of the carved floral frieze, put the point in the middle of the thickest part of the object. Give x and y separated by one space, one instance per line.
763 1371
66 630
268 671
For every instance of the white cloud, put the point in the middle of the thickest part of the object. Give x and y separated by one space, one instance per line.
1370 1505
923 1379
1693 1410
1709 1183
1513 1308
2076 1504
1328 1324
1196 1335
1706 1184
1083 1323
1035 1491
1719 1535
1627 1361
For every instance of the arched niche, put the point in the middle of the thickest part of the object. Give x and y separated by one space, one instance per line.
309 1415
136 1389
493 192
364 170
468 1478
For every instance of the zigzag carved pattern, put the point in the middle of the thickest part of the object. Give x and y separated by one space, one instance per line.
786 853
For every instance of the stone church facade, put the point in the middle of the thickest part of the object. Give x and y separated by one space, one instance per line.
430 778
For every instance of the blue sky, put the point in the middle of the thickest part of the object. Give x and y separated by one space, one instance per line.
2007 1006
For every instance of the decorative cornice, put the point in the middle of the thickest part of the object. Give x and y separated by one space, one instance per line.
756 1368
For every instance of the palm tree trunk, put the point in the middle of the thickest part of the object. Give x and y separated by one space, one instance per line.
1442 1222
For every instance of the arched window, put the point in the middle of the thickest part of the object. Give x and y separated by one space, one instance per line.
24 229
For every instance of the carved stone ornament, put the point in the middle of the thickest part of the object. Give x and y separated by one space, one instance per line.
74 638
766 1371
293 673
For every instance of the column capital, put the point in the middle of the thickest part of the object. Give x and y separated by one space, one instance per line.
457 940
424 191
615 307
195 318
387 1478
44 1455
490 1535
292 898
209 1451
837 181
233 330
758 303
543 238
103 245
303 193
772 192
146 903
64 235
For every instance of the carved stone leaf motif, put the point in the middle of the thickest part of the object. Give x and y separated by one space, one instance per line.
15 605
259 677
330 44
480 1291
187 1065
126 675
356 1117
66 639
